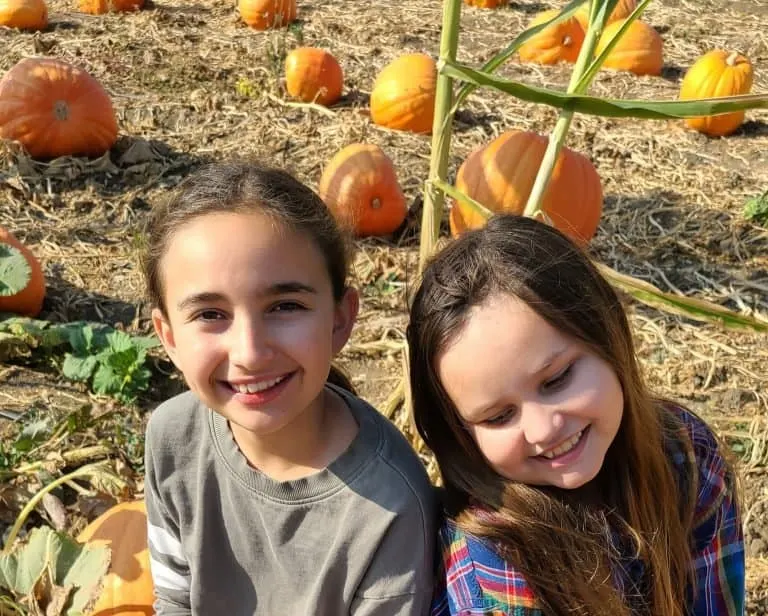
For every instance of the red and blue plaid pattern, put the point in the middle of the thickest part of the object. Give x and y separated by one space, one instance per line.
474 580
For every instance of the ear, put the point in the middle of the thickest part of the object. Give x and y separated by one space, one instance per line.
164 333
344 316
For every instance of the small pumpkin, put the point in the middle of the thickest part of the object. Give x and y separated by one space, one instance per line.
99 7
403 95
555 43
29 300
127 589
313 75
456 223
486 4
639 51
717 73
500 176
24 14
622 10
54 108
359 185
266 14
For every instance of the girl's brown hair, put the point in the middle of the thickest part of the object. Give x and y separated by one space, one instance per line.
562 540
243 188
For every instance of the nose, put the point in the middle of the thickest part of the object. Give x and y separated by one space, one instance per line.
250 344
542 425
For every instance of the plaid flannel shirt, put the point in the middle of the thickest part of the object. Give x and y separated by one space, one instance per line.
473 580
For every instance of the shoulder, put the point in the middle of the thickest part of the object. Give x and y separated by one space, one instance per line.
476 576
700 454
395 468
176 426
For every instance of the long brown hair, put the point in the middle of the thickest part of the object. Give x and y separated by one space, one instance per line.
564 542
246 187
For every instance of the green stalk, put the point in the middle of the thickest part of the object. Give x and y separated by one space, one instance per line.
442 129
83 471
557 138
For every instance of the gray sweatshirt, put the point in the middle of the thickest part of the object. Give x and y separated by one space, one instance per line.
355 538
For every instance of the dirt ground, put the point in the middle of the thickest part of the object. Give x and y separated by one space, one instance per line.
191 84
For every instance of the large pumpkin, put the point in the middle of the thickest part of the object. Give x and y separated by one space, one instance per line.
99 7
127 588
403 95
500 176
265 14
622 10
717 73
639 50
313 75
555 43
28 301
359 185
24 14
486 4
56 109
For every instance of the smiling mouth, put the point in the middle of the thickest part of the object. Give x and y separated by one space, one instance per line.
261 386
565 447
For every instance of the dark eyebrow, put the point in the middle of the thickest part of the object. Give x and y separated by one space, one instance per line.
279 288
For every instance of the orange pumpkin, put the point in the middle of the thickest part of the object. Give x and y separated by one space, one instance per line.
622 10
717 73
403 95
56 109
500 176
29 301
555 43
313 74
24 14
359 185
486 4
99 7
127 589
639 51
265 14
456 222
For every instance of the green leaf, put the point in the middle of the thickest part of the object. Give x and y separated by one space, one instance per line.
105 381
56 563
697 309
757 209
78 368
32 434
615 108
15 272
81 339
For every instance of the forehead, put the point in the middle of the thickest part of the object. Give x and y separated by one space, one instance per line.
499 348
217 250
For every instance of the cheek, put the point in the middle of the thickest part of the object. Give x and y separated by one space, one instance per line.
502 448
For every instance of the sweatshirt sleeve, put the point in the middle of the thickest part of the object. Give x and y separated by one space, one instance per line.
399 580
168 565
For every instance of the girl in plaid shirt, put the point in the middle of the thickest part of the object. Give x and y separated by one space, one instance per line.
569 489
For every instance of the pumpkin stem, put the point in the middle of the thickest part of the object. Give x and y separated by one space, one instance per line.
61 110
376 203
567 40
731 59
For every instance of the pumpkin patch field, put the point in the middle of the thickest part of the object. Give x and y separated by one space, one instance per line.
105 106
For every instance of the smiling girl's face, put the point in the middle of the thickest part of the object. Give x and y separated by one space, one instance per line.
251 319
542 407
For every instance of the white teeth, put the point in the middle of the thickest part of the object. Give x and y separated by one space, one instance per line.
564 448
252 388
